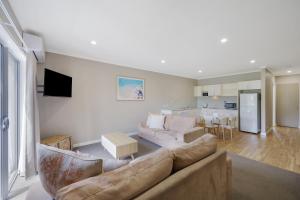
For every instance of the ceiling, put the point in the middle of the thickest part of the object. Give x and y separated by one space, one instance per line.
184 33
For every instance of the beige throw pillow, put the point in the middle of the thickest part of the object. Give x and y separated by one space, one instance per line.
189 153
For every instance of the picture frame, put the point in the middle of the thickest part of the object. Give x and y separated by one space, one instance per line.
130 89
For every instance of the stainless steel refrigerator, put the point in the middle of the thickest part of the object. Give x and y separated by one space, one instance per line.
249 112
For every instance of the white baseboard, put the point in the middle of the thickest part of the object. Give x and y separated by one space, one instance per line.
97 141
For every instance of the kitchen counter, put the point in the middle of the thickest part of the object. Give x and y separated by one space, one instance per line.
221 112
200 112
219 108
181 111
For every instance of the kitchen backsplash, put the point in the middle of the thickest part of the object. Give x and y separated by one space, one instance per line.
215 102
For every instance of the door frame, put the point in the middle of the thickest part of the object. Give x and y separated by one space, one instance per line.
3 133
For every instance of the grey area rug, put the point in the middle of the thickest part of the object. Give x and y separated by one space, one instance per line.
144 147
251 180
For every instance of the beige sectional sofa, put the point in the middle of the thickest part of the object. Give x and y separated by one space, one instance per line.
177 130
190 171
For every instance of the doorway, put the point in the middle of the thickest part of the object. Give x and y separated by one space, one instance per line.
287 105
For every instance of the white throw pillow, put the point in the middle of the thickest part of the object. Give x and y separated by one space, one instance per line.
156 121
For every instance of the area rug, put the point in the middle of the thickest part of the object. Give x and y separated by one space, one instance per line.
251 180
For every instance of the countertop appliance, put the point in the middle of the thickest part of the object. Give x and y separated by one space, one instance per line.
249 112
228 105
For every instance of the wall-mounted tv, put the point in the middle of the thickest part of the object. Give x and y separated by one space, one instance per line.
56 84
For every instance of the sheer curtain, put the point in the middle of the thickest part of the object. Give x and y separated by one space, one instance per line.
30 130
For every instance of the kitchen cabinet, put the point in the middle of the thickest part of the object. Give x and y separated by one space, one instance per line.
217 90
197 91
230 89
250 85
212 90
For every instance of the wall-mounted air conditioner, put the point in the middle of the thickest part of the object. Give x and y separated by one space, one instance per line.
35 44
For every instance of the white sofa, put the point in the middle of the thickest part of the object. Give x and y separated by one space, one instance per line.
177 130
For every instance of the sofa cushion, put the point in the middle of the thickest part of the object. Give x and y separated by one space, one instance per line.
189 153
58 168
107 163
126 182
179 123
155 121
112 164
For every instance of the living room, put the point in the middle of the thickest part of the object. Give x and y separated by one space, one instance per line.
150 100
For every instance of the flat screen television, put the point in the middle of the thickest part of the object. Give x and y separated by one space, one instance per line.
56 84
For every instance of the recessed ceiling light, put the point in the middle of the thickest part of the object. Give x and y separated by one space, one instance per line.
224 40
93 42
200 71
252 61
289 71
163 61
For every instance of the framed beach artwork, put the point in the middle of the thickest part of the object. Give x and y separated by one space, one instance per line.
130 89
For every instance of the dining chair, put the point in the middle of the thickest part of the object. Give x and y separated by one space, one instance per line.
228 124
209 125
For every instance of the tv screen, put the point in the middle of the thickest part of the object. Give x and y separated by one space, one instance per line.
56 84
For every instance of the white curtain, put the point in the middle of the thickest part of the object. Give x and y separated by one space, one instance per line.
30 130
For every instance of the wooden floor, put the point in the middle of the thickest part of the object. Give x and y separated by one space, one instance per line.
280 147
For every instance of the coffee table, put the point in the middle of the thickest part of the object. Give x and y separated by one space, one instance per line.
119 145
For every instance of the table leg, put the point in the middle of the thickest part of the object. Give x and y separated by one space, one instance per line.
132 157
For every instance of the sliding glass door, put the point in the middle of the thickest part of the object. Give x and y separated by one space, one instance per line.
13 116
4 123
9 119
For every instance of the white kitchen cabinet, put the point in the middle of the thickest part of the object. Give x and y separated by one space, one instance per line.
212 90
230 89
197 91
249 85
217 90
255 85
205 88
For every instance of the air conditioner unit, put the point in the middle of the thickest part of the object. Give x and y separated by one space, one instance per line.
35 44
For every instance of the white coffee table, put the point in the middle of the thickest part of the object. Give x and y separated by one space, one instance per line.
119 144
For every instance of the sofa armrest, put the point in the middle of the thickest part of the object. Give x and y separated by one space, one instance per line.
229 178
190 135
142 125
58 168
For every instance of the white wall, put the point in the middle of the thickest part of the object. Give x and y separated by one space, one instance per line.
288 80
267 80
93 108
